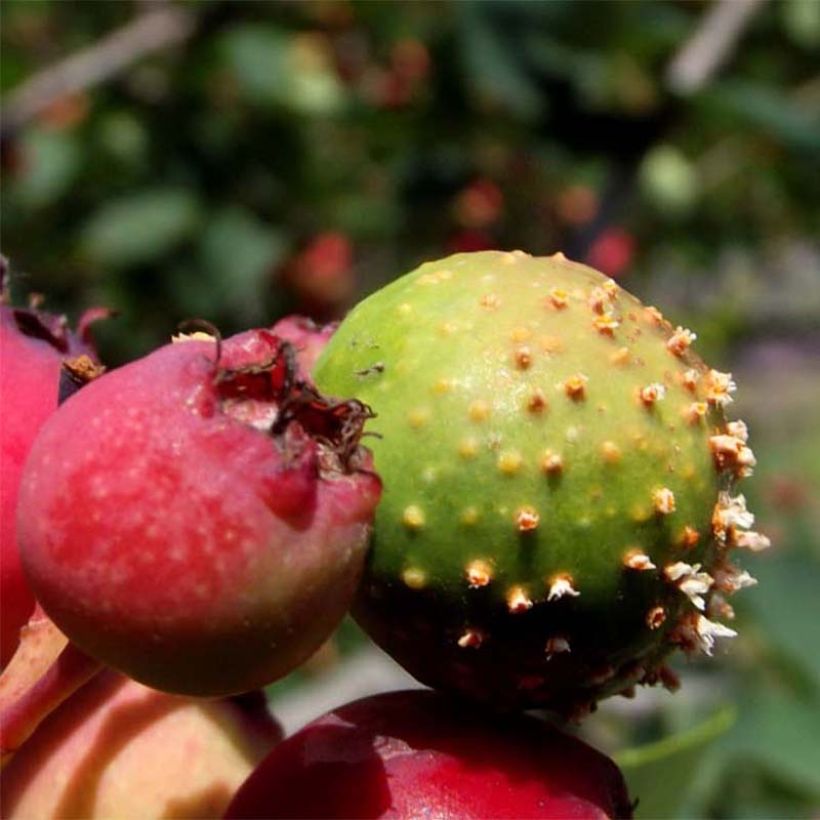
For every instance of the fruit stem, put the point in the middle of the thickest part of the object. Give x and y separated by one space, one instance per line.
19 718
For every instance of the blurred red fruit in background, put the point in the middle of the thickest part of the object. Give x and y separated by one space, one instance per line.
479 204
321 276
612 252
468 241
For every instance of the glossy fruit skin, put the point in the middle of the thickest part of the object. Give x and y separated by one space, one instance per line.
33 346
420 754
547 445
198 518
307 337
118 749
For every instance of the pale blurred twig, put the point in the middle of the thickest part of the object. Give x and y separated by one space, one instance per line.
151 31
705 51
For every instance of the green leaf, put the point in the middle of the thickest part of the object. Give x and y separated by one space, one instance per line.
785 602
142 227
494 65
659 773
782 736
238 254
769 110
276 68
52 160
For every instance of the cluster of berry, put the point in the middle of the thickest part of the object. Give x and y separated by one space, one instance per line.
546 512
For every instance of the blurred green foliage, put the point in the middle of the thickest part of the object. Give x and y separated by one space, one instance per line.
296 155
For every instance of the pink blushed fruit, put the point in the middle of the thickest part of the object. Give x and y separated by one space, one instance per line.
33 346
198 519
119 749
307 337
419 754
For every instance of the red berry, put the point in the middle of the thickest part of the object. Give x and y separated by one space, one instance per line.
321 276
612 252
198 519
418 754
33 346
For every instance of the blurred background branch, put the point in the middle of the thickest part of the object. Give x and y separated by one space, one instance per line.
159 27
715 37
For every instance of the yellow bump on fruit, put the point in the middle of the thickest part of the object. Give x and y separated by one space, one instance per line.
509 462
610 288
537 401
753 541
478 410
471 639
680 341
446 329
442 386
689 537
551 344
556 645
405 309
606 323
598 300
527 519
558 256
690 581
468 447
560 586
690 380
413 517
558 298
652 393
418 417
719 388
552 463
523 357
732 453
695 412
509 258
414 578
469 516
479 573
635 559
655 617
611 452
640 513
620 357
576 386
719 607
663 500
520 334
490 301
435 278
517 600
731 579
654 316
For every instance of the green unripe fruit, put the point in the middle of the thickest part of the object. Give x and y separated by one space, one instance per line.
557 470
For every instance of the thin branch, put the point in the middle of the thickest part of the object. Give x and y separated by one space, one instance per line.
709 47
153 30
